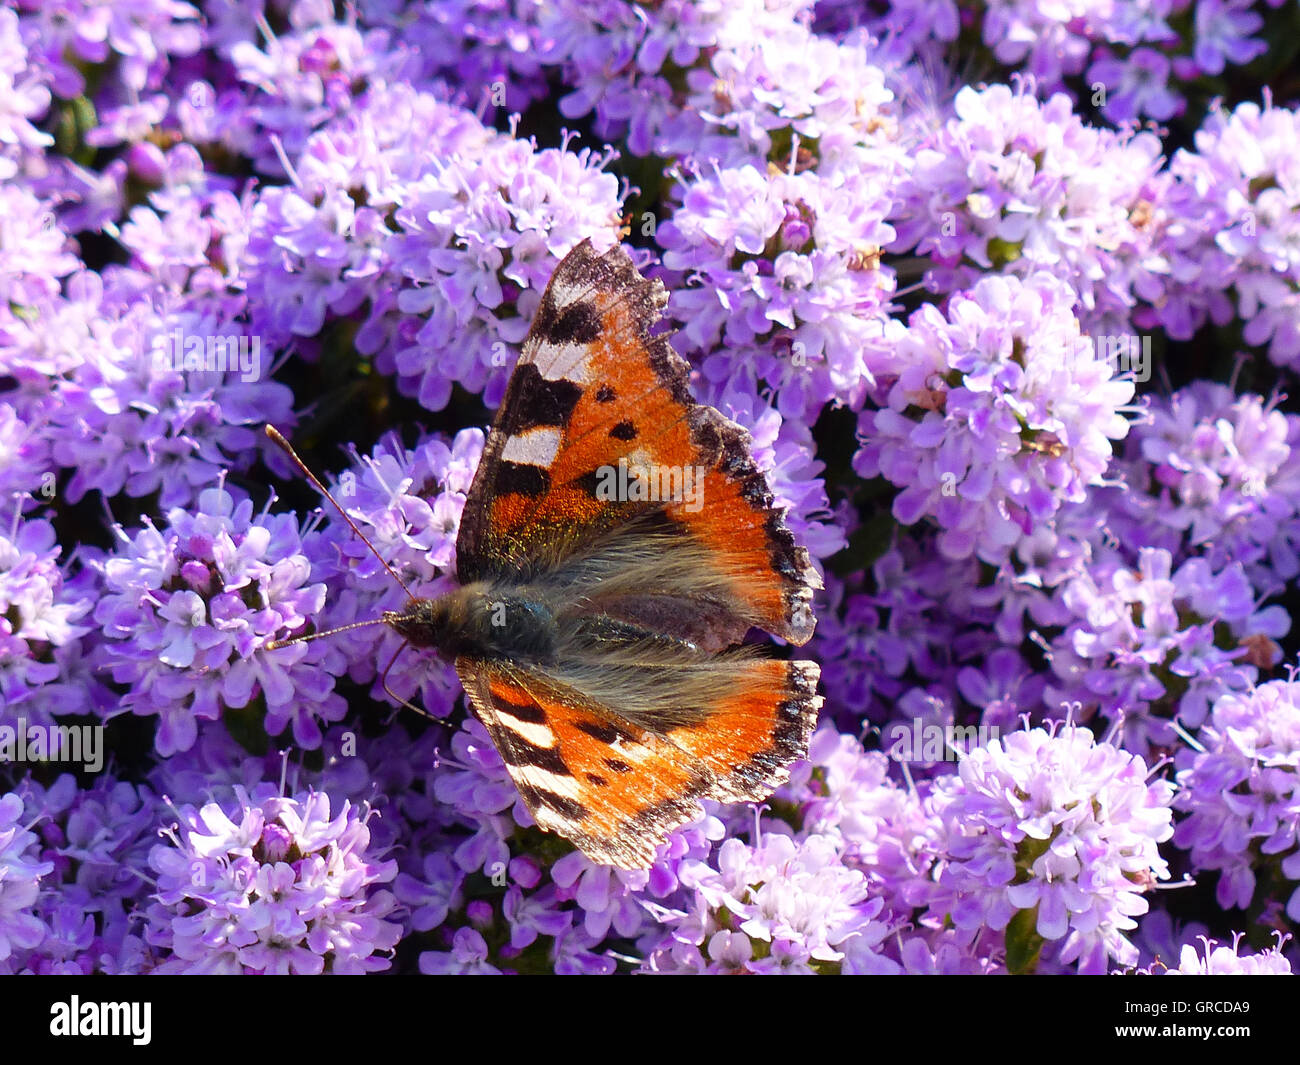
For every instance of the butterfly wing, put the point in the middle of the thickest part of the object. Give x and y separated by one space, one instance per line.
616 787
594 388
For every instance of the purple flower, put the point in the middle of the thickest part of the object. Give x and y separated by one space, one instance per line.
476 239
140 34
783 270
1240 188
799 909
1222 960
1216 474
272 886
408 503
1136 86
20 875
24 95
1223 34
189 609
1062 829
1240 788
468 956
890 833
1014 185
95 841
43 615
1131 625
432 895
999 413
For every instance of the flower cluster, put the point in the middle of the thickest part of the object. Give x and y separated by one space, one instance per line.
407 503
1152 646
94 845
1240 790
186 614
1004 296
1011 184
1214 474
1054 838
1223 960
1242 186
43 616
779 907
998 414
273 885
1128 60
20 876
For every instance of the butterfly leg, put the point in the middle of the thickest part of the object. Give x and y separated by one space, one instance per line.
397 698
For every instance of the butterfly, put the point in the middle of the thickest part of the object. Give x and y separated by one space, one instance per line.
617 545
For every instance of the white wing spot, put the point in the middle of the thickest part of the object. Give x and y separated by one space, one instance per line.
537 734
536 447
568 362
552 782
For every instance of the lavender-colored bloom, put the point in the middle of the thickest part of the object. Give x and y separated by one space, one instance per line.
408 504
140 35
1136 86
43 615
1216 474
1223 34
604 894
189 609
468 956
620 59
1061 827
890 833
20 874
531 916
1241 189
24 96
476 240
1000 412
1240 790
784 270
432 895
489 51
1130 625
34 249
106 370
302 78
95 842
274 885
799 908
1217 959
1014 185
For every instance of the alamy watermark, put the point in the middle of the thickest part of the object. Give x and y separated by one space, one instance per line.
208 353
1126 353
76 1018
923 741
626 483
53 743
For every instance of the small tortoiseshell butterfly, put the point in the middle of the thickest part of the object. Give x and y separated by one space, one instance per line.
617 545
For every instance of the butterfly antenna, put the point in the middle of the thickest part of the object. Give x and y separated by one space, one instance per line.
284 444
272 645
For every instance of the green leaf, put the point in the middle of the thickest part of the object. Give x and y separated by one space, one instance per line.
1024 944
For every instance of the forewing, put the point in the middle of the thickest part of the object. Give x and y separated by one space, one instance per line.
594 387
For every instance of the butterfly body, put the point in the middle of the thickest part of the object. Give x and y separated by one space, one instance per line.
618 545
481 621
